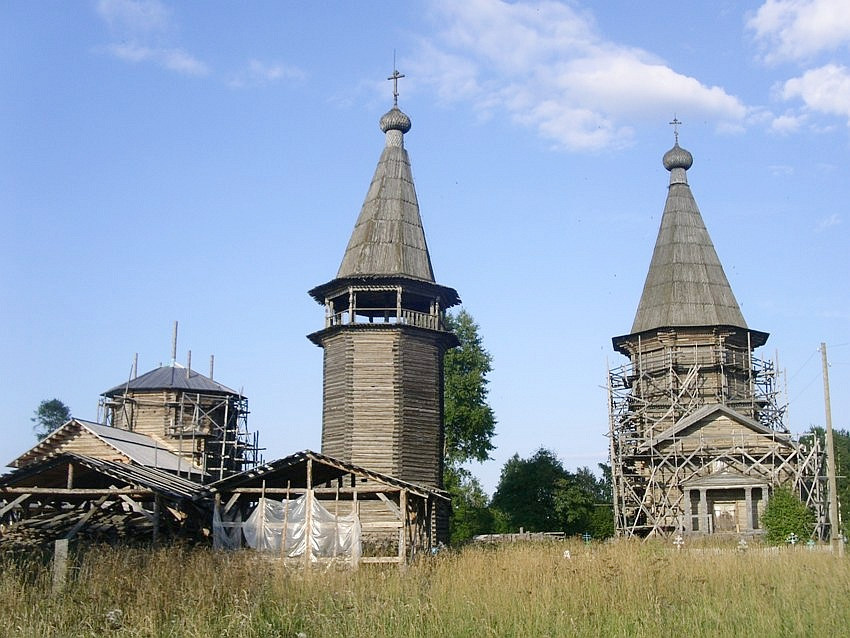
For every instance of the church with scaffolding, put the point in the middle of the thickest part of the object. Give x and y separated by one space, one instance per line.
698 438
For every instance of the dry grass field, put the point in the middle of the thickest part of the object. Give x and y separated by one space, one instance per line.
614 589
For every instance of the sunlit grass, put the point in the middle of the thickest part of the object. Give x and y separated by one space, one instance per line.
615 589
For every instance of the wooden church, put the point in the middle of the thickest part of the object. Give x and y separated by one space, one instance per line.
698 440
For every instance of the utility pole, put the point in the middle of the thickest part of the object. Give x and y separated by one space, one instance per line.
834 537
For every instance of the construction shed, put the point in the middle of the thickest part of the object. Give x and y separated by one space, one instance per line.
311 507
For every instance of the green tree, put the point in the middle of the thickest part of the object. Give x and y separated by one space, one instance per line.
539 495
526 494
786 514
583 503
50 414
469 421
471 514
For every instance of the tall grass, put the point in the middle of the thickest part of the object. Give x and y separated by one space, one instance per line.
616 589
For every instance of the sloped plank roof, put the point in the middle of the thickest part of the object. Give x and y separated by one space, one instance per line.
685 284
325 468
171 377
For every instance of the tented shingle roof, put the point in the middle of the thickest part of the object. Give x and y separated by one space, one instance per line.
685 285
171 377
388 238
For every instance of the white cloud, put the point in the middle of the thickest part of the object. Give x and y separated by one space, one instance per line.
829 222
545 64
800 29
825 89
787 123
138 28
137 16
172 59
258 73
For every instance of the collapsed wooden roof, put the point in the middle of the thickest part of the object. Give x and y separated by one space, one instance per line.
50 475
70 495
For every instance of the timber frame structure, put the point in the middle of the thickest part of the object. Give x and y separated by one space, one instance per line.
659 469
398 519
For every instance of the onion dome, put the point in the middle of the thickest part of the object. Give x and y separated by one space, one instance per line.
395 120
677 157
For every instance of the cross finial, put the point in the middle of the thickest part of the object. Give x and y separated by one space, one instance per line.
395 77
675 123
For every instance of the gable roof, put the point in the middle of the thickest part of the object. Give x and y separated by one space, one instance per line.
685 284
388 238
292 469
726 478
136 447
171 377
713 409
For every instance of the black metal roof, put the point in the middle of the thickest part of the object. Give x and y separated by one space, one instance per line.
172 377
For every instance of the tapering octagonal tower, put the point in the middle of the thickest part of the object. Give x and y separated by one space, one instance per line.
384 336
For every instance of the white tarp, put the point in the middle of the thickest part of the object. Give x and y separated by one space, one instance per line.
274 523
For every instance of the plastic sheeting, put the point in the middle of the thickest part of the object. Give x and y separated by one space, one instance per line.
227 533
282 527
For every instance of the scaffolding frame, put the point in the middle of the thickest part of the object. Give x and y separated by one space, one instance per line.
209 430
654 391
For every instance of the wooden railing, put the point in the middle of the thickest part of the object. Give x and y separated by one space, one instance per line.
387 316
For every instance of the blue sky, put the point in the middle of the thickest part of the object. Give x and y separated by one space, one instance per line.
205 162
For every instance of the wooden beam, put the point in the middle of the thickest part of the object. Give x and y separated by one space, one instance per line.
366 489
63 491
79 524
390 505
136 507
14 503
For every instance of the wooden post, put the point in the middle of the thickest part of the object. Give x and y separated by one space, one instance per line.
308 533
834 537
355 510
70 482
60 565
402 532
217 510
155 534
285 524
263 511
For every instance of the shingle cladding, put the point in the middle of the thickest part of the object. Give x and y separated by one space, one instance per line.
388 238
685 285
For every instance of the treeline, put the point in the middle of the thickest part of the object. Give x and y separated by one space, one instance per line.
536 494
